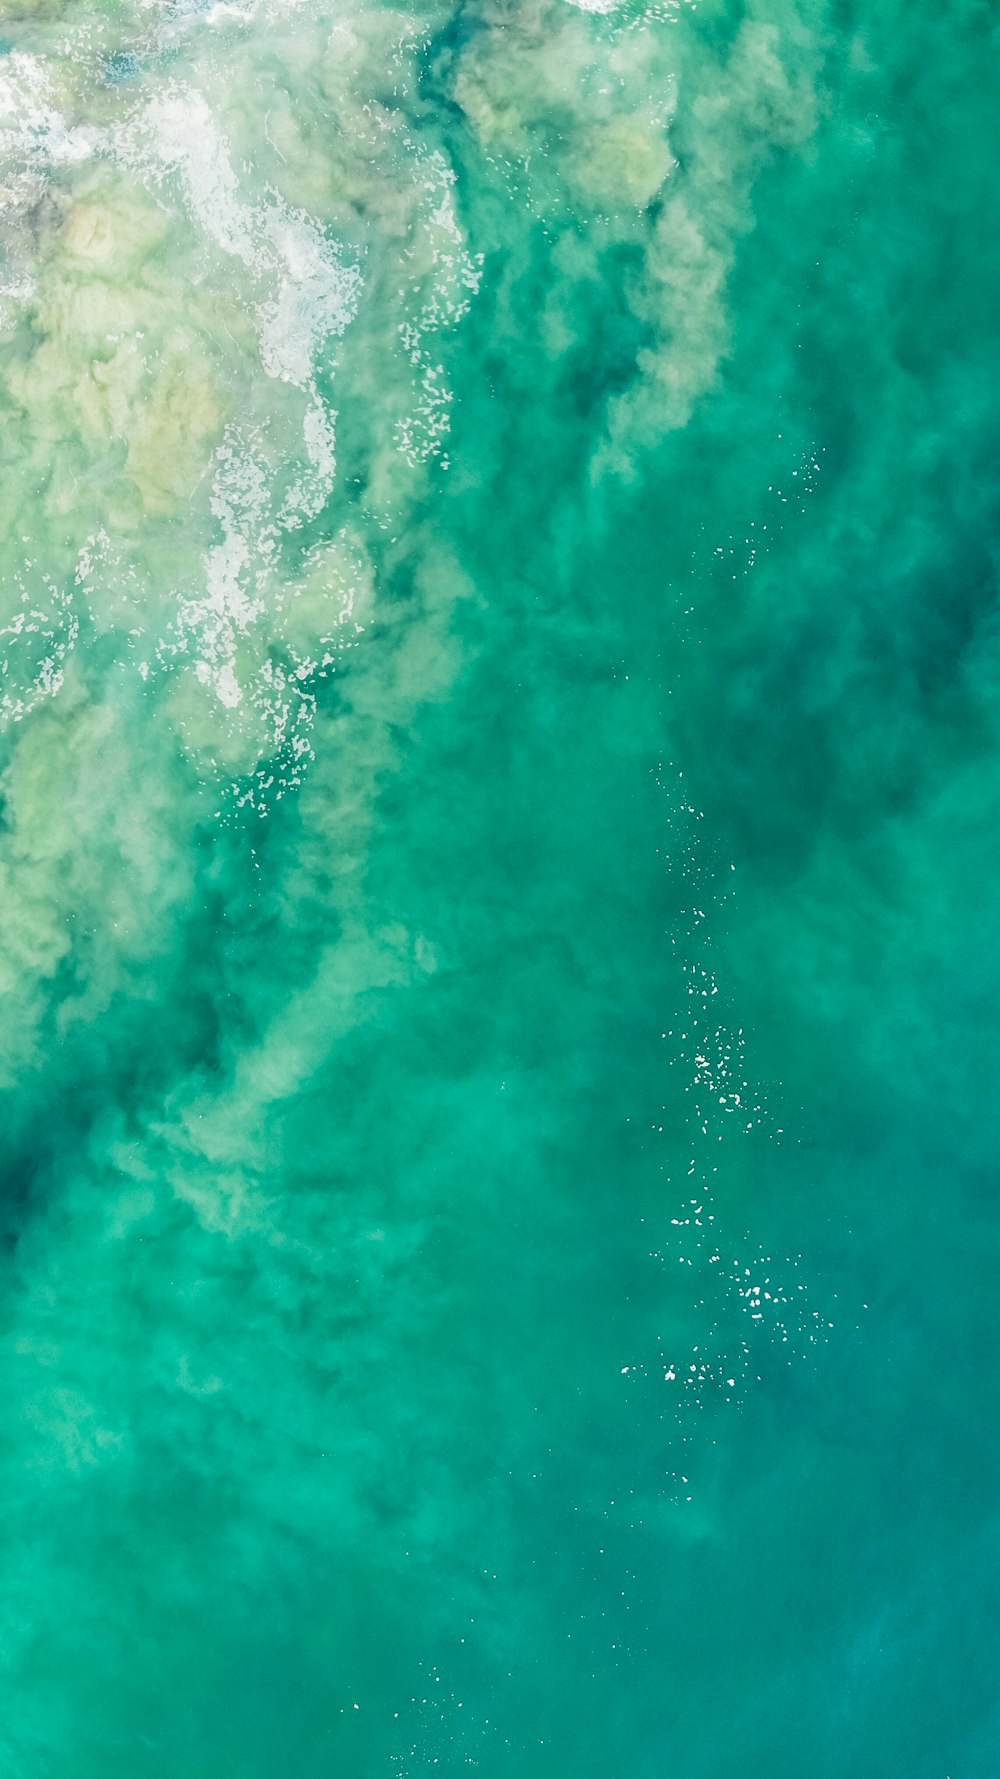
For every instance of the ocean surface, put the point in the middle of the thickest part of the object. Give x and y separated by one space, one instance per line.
499 914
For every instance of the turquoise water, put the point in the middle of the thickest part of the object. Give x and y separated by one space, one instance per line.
499 947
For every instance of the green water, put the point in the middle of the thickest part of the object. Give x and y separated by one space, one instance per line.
499 941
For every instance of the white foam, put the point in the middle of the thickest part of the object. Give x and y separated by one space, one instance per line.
318 295
454 280
33 133
284 252
34 137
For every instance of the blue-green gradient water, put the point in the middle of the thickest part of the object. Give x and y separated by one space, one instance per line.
499 931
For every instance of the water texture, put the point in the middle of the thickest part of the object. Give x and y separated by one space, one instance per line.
499 939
